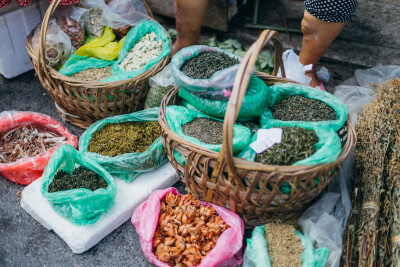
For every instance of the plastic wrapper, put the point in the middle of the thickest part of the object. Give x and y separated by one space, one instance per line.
133 36
327 149
92 18
127 166
160 84
123 14
26 170
227 251
70 20
253 104
58 45
80 206
177 116
256 253
220 80
294 70
77 63
102 47
283 90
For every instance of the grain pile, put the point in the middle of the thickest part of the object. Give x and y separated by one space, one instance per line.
92 75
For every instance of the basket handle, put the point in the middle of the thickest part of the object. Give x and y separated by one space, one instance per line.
43 70
241 83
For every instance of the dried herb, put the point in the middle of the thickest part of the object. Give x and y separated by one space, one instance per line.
81 177
205 64
92 19
206 130
300 108
155 95
297 144
90 75
284 246
74 30
26 141
119 138
142 52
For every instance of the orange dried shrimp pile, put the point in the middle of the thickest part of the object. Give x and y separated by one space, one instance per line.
186 230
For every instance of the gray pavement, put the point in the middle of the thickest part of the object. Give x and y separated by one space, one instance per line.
24 241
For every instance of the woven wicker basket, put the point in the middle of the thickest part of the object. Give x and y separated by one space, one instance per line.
93 102
250 189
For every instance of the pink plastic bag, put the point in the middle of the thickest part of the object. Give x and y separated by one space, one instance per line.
227 251
26 170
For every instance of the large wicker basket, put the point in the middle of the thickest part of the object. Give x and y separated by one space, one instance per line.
82 103
248 188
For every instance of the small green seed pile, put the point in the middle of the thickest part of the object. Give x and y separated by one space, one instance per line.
300 108
297 144
206 130
205 64
119 138
81 177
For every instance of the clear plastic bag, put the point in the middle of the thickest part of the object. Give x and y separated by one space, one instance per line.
27 170
92 18
58 45
253 104
160 84
294 70
227 251
130 165
220 80
123 14
80 206
70 20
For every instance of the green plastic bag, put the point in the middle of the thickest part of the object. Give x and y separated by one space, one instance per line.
327 149
177 116
253 104
80 206
282 90
256 253
130 165
78 63
133 36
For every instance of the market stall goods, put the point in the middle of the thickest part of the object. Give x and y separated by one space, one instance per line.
74 30
147 48
91 75
206 130
119 138
186 230
92 21
80 177
300 108
205 64
27 141
297 144
284 246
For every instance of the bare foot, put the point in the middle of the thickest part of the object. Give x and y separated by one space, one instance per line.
314 79
178 45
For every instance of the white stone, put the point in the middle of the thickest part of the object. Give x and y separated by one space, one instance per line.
82 238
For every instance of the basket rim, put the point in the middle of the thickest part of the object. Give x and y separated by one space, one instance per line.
240 163
93 84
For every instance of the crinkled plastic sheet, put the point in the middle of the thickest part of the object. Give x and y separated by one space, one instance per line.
26 170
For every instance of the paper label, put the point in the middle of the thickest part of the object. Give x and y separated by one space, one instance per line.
267 138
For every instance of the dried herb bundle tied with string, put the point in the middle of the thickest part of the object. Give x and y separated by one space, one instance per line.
26 141
300 108
297 144
205 64
206 130
81 177
119 138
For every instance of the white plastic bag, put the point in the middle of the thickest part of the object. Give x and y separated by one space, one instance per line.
294 70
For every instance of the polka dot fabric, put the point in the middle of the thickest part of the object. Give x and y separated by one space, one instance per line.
331 10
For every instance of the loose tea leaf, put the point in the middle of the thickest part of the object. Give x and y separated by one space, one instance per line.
91 75
26 141
206 130
205 64
284 246
119 138
81 177
297 144
300 108
142 52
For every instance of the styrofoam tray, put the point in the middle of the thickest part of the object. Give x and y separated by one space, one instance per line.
81 238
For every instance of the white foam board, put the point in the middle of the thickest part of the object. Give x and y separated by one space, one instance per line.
81 238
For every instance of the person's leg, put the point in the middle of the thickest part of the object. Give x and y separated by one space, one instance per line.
189 16
317 37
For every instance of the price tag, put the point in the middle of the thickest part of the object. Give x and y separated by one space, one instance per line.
267 138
